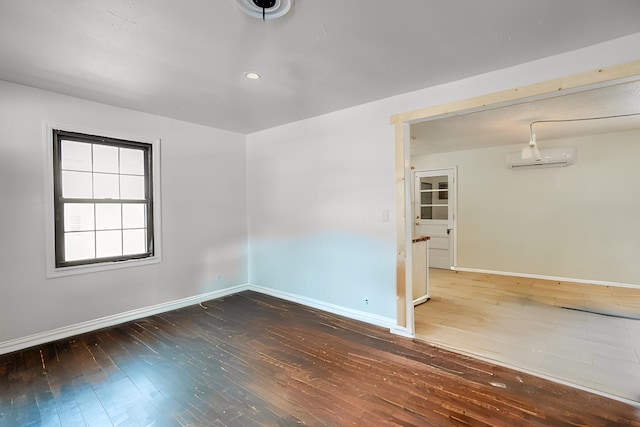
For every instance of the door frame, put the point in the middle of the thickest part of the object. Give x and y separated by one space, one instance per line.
453 205
403 176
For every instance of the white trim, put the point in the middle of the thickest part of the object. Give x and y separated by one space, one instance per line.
401 331
408 232
423 298
543 277
103 322
47 138
455 216
363 316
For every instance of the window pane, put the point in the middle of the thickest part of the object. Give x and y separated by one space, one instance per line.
443 197
134 215
105 158
426 198
132 187
78 216
108 243
426 213
105 186
76 185
76 156
426 183
440 212
435 212
79 246
108 216
134 242
131 161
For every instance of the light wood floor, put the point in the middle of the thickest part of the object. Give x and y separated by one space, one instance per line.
522 323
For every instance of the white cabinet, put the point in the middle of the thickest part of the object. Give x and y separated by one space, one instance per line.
420 269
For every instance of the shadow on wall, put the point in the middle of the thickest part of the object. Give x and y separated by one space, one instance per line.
341 269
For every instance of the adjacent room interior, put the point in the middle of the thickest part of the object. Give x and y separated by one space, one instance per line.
567 223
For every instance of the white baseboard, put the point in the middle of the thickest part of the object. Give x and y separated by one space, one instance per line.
420 300
543 277
402 331
103 322
363 316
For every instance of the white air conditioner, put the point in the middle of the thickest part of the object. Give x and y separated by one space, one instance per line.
549 158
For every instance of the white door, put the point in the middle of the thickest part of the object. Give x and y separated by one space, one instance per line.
433 211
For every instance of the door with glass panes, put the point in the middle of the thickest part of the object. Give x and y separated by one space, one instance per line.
433 214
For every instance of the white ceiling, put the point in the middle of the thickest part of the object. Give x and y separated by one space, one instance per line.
511 124
185 59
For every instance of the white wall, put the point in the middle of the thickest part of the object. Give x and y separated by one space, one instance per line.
203 212
317 187
578 222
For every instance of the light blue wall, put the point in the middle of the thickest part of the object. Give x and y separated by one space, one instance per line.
337 268
316 201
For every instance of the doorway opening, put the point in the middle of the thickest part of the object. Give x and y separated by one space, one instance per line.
403 122
426 197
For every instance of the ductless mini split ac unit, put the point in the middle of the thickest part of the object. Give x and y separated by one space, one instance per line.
549 158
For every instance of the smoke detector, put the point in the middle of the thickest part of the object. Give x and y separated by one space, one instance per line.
265 9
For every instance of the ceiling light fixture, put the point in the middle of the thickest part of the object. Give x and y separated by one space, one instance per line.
531 150
265 9
252 75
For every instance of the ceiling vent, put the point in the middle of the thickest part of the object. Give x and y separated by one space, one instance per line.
265 9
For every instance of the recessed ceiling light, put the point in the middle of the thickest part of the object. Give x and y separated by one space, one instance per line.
252 76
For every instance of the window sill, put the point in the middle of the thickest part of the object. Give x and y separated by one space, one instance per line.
53 273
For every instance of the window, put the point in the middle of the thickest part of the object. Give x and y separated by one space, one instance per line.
102 199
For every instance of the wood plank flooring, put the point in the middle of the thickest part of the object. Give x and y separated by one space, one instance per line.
254 360
521 323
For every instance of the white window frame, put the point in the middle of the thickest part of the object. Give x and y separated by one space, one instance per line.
52 270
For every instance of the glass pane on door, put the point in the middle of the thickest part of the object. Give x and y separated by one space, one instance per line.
443 192
426 197
434 197
434 212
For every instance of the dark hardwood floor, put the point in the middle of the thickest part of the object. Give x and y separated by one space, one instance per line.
254 360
